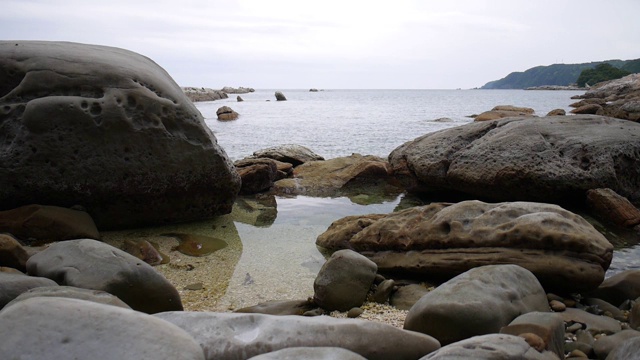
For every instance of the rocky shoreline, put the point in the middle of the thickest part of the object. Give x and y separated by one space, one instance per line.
496 267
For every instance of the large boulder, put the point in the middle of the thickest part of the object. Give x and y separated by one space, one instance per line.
14 284
290 153
490 347
107 129
35 224
620 287
562 249
551 159
618 98
70 292
59 328
241 336
478 302
91 264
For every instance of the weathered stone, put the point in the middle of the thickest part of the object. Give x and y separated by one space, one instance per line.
521 109
40 224
557 306
226 113
14 284
344 281
619 287
241 336
457 309
548 326
203 94
145 251
293 154
557 112
634 315
238 90
593 109
383 291
90 264
552 159
610 206
107 129
594 324
280 307
500 114
626 351
406 296
12 254
619 98
310 353
280 96
584 102
606 308
606 344
257 174
490 347
562 249
321 178
62 328
71 292
259 210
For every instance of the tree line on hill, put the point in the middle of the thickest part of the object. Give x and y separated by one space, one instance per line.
567 74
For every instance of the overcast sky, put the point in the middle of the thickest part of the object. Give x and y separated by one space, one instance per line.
331 44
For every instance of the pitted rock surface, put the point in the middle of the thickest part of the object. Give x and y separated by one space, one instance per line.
548 159
107 129
443 240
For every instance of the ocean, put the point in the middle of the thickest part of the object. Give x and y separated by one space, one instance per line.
336 123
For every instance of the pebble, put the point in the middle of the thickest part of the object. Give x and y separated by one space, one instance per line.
354 312
557 306
534 341
578 354
575 327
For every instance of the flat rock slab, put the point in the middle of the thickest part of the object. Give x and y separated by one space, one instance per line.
91 264
443 240
241 336
59 328
107 129
548 159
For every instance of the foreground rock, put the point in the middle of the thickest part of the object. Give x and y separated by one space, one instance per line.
551 159
290 153
443 240
324 178
241 336
620 287
14 284
203 94
70 292
90 264
60 328
107 129
490 347
35 224
257 174
459 308
621 97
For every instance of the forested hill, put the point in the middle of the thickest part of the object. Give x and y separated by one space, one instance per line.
556 74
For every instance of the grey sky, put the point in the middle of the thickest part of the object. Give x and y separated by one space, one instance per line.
339 44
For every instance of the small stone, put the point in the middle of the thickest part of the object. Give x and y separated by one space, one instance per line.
551 296
557 306
577 353
575 327
355 312
315 312
194 286
534 341
569 303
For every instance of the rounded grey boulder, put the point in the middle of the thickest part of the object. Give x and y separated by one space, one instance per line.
58 328
107 129
14 284
71 292
310 353
490 347
91 264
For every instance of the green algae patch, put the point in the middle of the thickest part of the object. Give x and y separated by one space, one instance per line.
197 245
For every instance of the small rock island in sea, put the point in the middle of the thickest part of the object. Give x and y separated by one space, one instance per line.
94 138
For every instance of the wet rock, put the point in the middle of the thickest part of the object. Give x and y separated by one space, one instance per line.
594 324
226 113
36 224
257 174
203 94
107 129
292 154
325 178
606 344
548 327
196 244
406 296
241 336
259 210
62 328
457 309
608 205
71 292
145 251
619 287
344 281
557 306
280 96
14 284
490 347
552 159
281 307
90 264
310 353
443 240
12 254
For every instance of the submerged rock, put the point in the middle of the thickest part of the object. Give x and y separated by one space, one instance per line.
552 159
562 249
107 129
280 96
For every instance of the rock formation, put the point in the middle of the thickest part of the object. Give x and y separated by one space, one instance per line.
107 129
